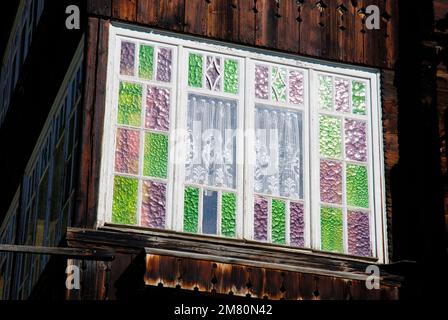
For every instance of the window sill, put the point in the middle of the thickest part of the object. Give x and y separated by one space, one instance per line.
232 251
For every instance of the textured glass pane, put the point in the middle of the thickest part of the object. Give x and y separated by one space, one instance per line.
296 88
330 181
357 186
231 76
191 209
228 214
262 82
127 58
195 70
210 212
130 104
359 97
278 84
213 73
325 92
124 206
331 229
146 67
156 155
211 141
342 93
358 233
260 218
164 57
355 140
127 152
158 109
153 204
278 221
330 136
279 156
297 224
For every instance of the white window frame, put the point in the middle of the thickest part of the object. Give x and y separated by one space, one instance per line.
250 56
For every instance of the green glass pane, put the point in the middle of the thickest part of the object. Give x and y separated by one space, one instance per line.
228 214
191 209
156 155
325 92
357 186
331 229
146 67
130 104
359 97
231 76
195 70
330 136
278 221
124 206
278 84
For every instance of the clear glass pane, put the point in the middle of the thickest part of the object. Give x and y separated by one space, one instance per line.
211 141
279 152
209 212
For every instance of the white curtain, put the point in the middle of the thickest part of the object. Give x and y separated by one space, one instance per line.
211 142
279 154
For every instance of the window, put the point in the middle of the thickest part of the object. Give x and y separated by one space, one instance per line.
212 139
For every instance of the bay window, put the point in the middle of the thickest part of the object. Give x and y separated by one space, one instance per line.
219 140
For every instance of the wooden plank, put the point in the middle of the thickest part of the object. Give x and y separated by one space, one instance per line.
196 17
226 251
98 122
374 50
73 253
246 22
266 24
274 283
392 32
171 14
310 30
358 35
288 29
99 7
219 20
125 10
148 12
346 40
90 63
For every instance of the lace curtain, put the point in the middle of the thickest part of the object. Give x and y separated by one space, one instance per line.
211 142
279 153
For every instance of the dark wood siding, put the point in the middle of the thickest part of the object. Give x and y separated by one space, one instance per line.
284 26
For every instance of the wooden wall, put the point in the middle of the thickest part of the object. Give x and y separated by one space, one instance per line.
281 25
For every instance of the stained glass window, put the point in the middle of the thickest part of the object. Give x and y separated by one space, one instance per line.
142 128
270 149
344 162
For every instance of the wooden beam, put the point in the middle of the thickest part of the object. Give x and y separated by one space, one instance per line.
72 253
125 239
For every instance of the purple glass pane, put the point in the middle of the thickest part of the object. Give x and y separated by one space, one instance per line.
262 82
260 218
127 58
296 87
358 233
330 181
164 65
213 74
342 92
153 205
297 224
157 109
127 151
355 140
